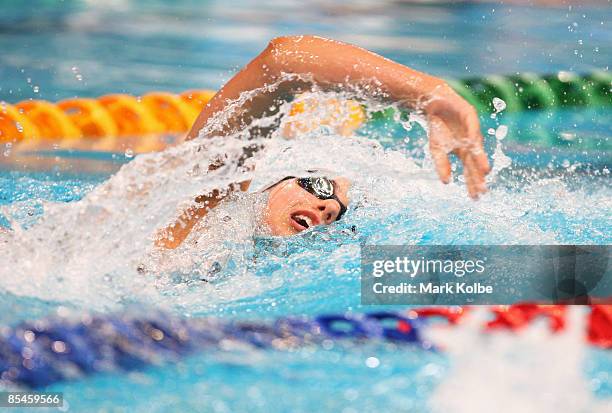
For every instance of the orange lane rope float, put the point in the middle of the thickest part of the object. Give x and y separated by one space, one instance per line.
15 125
344 117
104 118
156 113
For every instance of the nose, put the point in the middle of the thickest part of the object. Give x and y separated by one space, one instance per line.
329 209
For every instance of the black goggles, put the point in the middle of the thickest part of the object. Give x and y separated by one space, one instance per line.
321 187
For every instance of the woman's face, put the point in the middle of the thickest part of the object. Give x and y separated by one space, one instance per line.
291 209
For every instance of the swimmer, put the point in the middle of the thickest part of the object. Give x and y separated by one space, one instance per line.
298 203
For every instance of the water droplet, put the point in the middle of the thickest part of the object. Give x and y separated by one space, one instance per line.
59 346
77 73
501 132
372 362
499 104
129 153
29 336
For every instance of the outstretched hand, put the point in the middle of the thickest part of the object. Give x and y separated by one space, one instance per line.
454 128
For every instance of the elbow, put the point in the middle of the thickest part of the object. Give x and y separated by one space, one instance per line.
293 42
277 46
284 41
279 41
274 55
281 50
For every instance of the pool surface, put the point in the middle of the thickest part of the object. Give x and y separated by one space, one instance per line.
135 46
84 221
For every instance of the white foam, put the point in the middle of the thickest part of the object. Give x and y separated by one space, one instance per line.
528 371
88 252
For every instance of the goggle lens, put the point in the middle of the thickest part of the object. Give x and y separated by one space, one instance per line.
322 188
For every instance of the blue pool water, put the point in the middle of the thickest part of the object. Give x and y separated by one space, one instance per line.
87 234
135 46
560 202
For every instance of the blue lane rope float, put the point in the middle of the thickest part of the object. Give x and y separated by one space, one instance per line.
40 353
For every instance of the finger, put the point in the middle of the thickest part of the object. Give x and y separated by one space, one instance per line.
474 179
472 124
478 153
439 136
476 141
482 162
469 177
442 163
479 176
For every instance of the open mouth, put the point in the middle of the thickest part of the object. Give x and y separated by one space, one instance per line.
302 221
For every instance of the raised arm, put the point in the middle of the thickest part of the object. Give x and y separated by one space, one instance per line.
173 235
302 60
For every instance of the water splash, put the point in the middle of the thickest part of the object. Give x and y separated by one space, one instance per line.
529 371
99 252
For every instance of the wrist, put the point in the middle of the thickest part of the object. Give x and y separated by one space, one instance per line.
421 89
439 95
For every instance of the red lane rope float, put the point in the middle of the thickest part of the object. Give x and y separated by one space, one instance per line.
451 314
517 316
599 330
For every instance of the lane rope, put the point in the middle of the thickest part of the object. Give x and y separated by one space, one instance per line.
39 353
159 113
